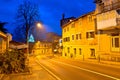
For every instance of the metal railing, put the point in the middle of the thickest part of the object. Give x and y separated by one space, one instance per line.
112 6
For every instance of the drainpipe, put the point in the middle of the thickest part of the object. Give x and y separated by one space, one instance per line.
98 46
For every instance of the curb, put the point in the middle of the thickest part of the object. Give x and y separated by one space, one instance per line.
48 71
113 64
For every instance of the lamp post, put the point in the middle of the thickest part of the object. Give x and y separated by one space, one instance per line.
39 25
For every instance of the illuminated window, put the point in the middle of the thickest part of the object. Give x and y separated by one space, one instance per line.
90 35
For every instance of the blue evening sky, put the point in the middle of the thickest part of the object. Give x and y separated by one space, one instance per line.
50 11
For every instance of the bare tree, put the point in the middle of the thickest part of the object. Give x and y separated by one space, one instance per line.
26 16
18 34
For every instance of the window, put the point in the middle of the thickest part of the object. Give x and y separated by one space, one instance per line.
68 50
90 35
64 30
65 54
72 37
79 36
80 51
92 52
68 38
67 28
64 39
90 18
75 51
73 25
76 36
115 42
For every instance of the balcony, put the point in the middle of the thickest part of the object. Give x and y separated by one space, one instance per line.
109 24
112 6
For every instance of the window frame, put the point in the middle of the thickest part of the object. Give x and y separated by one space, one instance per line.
90 34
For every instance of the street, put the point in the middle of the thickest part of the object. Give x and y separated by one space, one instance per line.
64 69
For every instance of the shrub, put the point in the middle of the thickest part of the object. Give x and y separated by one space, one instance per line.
12 62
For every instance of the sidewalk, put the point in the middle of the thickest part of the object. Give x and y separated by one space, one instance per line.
109 63
95 61
37 73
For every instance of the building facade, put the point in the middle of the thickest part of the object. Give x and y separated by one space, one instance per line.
108 28
79 39
94 35
41 47
3 42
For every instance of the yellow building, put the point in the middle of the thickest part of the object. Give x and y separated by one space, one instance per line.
3 42
79 39
108 29
41 47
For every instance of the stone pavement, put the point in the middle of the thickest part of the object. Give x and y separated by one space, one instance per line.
37 73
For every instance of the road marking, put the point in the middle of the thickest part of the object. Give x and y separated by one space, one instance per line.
48 70
105 75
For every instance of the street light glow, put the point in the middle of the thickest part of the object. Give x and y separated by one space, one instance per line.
39 25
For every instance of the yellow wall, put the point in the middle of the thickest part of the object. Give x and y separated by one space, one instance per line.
82 25
102 43
42 48
3 42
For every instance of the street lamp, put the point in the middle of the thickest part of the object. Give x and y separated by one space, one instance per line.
39 25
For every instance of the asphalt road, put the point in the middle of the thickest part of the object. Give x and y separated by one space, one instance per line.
64 69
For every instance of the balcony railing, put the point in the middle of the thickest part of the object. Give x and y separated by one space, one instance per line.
111 6
118 21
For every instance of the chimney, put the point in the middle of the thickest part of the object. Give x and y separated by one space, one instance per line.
63 16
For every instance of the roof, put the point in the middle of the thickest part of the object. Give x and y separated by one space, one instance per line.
3 35
78 18
16 43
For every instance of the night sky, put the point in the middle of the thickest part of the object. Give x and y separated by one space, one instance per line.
50 11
